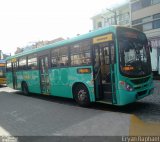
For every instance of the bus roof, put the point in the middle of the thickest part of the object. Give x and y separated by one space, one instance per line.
65 42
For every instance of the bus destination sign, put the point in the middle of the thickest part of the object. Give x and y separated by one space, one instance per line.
103 38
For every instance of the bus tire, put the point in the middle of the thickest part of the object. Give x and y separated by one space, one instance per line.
25 89
81 95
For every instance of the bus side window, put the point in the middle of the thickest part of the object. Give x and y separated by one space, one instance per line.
63 56
54 58
22 63
80 53
9 66
32 62
60 57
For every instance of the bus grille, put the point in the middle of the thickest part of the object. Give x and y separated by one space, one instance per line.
142 93
140 81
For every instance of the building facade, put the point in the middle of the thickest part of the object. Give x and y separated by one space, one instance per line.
116 16
145 16
3 56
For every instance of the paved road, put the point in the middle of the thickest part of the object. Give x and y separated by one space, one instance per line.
49 116
23 115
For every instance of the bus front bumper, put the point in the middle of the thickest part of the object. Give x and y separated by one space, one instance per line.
126 97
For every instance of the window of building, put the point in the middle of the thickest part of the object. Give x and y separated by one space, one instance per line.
155 1
138 21
139 27
136 6
156 24
60 57
109 20
22 63
32 61
156 16
146 3
99 25
147 19
80 53
112 20
147 26
123 18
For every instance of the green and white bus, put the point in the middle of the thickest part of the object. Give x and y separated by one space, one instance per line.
110 65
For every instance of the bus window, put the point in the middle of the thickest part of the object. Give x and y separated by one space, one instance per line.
22 63
80 54
32 61
60 57
9 66
54 59
63 56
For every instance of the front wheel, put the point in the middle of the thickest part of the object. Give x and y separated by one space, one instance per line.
25 89
81 95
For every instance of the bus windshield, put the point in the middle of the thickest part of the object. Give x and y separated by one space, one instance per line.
134 53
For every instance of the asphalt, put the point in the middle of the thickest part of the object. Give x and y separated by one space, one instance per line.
49 116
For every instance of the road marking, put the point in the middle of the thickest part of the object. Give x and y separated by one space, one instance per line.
4 132
140 128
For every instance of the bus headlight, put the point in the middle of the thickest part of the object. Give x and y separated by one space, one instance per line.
126 86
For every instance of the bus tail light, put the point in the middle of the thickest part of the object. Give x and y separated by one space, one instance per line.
126 86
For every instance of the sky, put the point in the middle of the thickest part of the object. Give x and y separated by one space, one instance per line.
26 21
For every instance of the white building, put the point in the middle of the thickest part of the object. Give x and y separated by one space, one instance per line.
117 16
145 15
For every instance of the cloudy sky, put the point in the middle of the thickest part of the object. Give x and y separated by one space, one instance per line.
26 21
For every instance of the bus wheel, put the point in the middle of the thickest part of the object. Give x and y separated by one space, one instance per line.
81 95
25 89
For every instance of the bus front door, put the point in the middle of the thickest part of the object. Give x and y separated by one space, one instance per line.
44 75
14 75
104 72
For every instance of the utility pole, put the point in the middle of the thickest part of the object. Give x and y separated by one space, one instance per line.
115 15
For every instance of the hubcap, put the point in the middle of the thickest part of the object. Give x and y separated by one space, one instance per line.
82 95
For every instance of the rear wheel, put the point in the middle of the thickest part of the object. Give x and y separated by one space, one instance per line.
81 95
25 89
